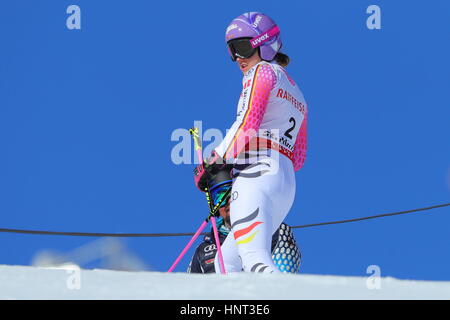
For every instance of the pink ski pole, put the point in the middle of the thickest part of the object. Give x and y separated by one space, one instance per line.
219 249
198 148
204 224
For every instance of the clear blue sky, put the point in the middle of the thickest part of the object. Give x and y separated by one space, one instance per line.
86 118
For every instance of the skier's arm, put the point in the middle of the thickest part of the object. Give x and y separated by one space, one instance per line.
249 118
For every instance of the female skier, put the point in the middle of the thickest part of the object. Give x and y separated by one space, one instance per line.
266 144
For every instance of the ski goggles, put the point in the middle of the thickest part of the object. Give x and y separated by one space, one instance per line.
241 48
245 47
218 194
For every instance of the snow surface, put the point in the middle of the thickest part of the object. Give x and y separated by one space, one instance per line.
23 282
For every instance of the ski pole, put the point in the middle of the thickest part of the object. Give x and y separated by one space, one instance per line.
212 212
198 148
197 143
219 247
203 225
195 236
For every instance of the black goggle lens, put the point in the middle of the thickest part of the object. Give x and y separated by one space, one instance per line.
241 48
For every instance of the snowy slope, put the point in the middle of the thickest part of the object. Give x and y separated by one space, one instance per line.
20 282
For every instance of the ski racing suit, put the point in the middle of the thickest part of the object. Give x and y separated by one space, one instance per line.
266 144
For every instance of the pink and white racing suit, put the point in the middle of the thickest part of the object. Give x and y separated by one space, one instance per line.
267 144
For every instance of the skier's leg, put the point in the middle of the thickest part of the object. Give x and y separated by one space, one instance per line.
262 203
259 204
283 194
230 255
251 225
265 194
286 254
252 231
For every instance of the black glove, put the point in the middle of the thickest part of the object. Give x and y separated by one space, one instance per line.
205 171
